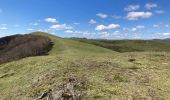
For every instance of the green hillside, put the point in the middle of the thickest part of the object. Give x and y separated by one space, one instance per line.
129 45
104 74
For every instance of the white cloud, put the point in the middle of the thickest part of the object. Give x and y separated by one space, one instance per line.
109 27
156 26
3 24
51 20
16 25
92 21
134 29
136 36
116 33
150 5
161 25
109 34
116 17
167 26
101 15
140 26
34 24
3 28
76 23
163 34
166 34
79 32
159 11
29 29
101 27
91 34
69 31
104 34
60 27
132 8
137 15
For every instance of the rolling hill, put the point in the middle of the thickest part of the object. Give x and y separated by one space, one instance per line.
129 45
100 73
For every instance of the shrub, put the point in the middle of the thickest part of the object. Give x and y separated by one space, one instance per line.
20 46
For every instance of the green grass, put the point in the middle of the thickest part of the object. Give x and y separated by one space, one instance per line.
129 45
109 75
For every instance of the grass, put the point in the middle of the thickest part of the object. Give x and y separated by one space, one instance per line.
108 75
129 45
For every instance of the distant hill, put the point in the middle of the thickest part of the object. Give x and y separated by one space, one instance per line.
19 46
167 39
129 45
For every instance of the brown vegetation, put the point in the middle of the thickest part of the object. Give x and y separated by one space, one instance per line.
20 46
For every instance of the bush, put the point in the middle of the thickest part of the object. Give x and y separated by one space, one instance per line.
20 46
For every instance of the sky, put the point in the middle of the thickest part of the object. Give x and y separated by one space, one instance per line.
97 19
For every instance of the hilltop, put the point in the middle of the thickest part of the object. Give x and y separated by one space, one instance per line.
20 46
101 73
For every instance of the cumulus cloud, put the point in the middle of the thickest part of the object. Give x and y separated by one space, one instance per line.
104 34
69 31
60 27
161 25
109 34
138 15
134 29
3 28
29 29
76 23
101 15
51 20
34 24
150 5
16 25
140 26
109 27
79 32
167 26
116 33
132 8
92 21
159 11
156 26
164 34
116 17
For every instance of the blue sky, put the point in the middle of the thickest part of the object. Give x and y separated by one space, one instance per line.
102 19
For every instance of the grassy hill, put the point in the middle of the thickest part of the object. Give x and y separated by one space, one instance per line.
104 74
129 45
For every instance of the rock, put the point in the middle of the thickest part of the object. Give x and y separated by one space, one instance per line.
57 95
67 95
132 60
43 95
66 92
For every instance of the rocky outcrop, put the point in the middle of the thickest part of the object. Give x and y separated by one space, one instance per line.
69 91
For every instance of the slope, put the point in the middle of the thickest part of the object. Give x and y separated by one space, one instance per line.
104 74
129 45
